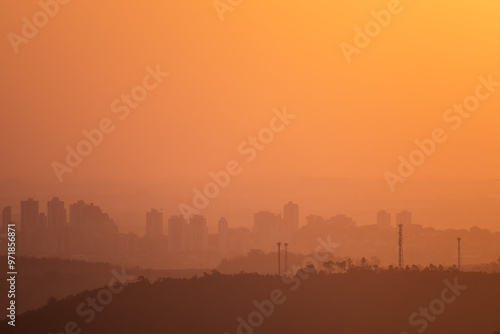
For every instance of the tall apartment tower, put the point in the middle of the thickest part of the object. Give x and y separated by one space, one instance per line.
57 225
29 215
383 219
92 230
56 214
154 224
78 216
291 217
177 235
198 233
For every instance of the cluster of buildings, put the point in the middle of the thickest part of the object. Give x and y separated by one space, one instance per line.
85 231
402 218
188 236
89 233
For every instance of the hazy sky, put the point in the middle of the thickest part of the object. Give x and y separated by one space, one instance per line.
226 77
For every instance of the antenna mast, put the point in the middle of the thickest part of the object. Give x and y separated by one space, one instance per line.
279 258
401 259
286 257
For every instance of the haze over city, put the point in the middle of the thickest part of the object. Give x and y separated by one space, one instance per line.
232 166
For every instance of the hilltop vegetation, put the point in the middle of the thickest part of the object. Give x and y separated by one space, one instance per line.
40 279
360 300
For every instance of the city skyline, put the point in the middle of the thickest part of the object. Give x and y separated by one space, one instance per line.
239 167
86 231
288 219
128 203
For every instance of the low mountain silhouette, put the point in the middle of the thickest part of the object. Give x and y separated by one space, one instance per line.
361 300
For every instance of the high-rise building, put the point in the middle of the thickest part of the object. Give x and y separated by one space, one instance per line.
177 234
383 219
93 231
89 218
29 215
403 218
291 218
56 214
58 227
154 224
6 217
78 216
198 233
223 235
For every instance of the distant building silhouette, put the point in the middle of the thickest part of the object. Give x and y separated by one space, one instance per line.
59 237
92 230
154 224
177 234
291 219
223 235
29 215
403 218
383 219
88 217
77 216
92 235
198 233
56 215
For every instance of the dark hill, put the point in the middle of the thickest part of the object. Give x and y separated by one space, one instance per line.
355 302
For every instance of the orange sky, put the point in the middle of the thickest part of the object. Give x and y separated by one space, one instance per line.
226 77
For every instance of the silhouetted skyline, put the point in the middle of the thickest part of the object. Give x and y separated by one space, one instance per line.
179 242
